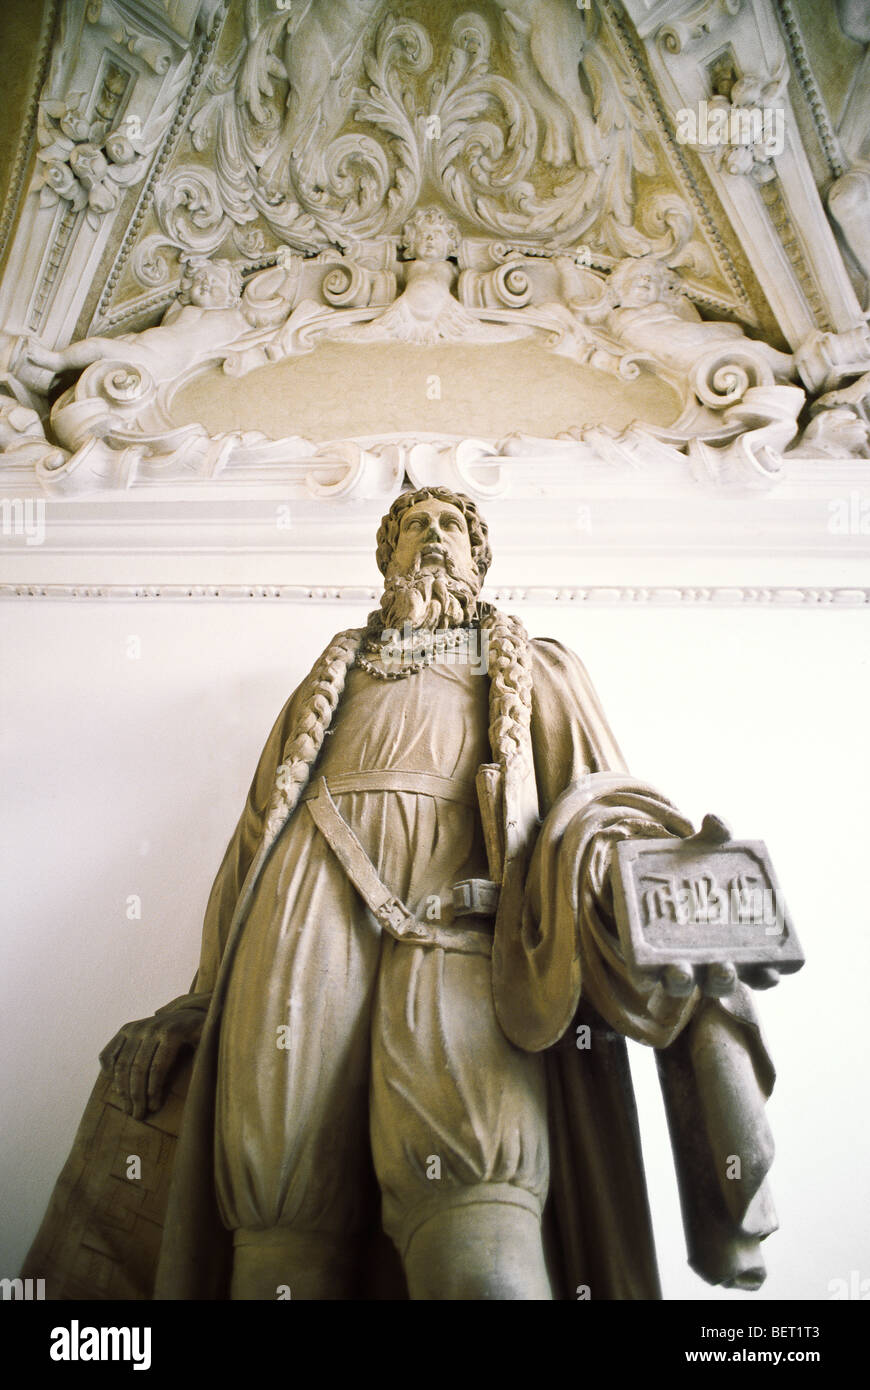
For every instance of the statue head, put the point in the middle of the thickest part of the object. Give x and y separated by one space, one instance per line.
641 280
838 430
429 235
433 552
210 284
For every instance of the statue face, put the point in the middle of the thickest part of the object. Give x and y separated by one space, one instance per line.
845 427
429 242
434 531
210 288
641 289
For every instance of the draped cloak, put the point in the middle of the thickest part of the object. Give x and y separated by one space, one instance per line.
559 983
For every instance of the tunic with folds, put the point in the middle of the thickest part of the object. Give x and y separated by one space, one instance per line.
331 1029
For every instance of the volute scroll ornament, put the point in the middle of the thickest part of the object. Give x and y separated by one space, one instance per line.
738 403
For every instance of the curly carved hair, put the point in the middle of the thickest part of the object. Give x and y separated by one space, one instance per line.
388 531
668 285
425 217
192 265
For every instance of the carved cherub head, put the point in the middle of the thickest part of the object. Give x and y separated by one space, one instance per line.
210 284
641 280
839 431
429 235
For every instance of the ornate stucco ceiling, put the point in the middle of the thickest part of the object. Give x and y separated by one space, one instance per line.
725 141
233 129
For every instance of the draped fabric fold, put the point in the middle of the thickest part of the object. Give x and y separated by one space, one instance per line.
715 1080
714 1068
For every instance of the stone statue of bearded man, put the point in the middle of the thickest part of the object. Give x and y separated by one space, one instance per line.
410 933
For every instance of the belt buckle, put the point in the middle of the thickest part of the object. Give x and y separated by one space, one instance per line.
475 897
395 918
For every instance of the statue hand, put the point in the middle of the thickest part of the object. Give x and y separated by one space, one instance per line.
42 356
35 365
142 1054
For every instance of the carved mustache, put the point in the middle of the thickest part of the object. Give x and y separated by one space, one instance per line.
428 598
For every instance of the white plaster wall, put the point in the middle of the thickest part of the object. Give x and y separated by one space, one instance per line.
124 774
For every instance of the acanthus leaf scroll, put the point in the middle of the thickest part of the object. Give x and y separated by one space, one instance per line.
529 126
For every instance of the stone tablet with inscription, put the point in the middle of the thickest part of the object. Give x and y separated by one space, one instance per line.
704 901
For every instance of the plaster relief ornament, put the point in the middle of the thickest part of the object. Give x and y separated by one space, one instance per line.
120 426
426 311
416 984
22 438
743 131
840 424
849 204
83 163
836 433
644 308
115 418
334 118
207 316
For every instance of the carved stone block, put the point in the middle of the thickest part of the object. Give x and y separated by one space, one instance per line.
709 901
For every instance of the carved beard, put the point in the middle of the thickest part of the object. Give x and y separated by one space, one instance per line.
429 599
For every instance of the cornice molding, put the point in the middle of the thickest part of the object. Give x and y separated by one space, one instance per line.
593 596
637 60
103 317
809 86
794 250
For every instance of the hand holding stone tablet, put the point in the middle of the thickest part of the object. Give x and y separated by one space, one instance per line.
706 910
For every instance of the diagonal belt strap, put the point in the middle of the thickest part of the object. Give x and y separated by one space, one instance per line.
474 896
390 911
395 780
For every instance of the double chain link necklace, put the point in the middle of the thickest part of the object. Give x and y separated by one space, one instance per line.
401 657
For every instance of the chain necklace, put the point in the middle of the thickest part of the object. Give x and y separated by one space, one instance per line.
410 654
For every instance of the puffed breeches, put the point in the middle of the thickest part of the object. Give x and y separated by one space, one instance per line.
340 1045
